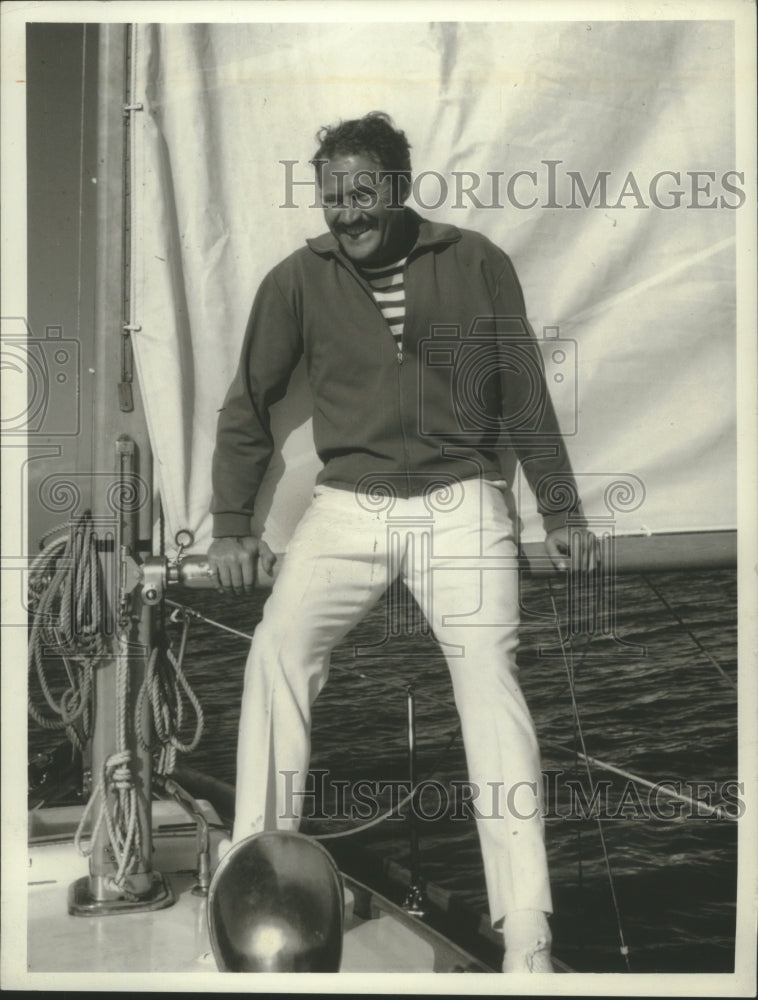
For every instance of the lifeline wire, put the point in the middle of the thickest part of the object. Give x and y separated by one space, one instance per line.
396 808
624 949
579 859
690 633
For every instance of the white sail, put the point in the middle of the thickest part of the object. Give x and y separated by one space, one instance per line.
638 285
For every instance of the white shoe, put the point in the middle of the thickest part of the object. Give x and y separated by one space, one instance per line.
527 942
531 960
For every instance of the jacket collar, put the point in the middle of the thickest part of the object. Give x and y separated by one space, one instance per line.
429 234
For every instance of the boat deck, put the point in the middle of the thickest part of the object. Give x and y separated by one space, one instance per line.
378 937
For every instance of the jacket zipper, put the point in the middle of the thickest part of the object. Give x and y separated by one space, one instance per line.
399 357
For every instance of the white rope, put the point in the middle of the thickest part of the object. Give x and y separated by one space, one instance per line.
66 595
65 599
163 688
369 823
116 793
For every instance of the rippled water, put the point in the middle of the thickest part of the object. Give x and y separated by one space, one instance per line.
650 702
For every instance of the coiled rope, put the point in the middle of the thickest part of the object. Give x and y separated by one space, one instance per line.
162 689
164 683
65 598
65 590
117 794
164 686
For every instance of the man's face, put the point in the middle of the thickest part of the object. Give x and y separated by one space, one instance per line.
361 210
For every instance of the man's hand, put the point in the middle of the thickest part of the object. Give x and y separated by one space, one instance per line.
575 548
233 559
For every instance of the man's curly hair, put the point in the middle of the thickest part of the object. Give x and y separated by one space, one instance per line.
373 135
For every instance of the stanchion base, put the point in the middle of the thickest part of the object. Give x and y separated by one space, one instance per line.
81 903
415 903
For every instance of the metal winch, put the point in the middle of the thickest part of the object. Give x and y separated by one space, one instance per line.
194 572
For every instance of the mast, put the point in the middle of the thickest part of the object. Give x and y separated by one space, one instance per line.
121 492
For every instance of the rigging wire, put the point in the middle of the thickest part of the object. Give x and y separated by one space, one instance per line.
65 598
579 858
82 105
191 612
183 609
677 617
624 948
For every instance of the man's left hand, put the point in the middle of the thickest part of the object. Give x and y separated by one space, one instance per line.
573 547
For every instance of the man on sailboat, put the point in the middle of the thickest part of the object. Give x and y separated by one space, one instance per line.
422 367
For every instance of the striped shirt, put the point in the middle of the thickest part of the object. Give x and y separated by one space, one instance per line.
389 291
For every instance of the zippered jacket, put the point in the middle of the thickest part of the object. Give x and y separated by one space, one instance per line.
468 383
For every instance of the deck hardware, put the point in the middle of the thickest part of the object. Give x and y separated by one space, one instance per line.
183 539
153 579
191 806
156 573
414 902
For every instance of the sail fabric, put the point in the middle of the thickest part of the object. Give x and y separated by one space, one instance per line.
598 155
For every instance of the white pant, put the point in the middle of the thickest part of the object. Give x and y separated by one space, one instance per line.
454 548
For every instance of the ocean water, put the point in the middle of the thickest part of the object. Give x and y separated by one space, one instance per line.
649 701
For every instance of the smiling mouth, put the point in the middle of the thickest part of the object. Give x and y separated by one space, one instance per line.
356 231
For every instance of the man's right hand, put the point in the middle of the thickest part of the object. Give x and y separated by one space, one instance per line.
233 559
